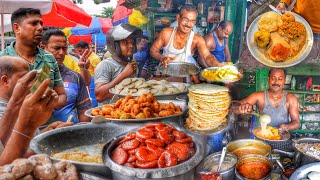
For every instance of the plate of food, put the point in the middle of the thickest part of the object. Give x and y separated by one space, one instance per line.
139 86
225 74
142 108
279 41
271 134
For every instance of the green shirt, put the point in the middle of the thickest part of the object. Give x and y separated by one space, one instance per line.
41 58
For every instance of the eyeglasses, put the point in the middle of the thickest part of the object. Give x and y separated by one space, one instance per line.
186 20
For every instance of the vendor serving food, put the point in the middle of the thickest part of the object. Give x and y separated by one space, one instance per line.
179 43
279 104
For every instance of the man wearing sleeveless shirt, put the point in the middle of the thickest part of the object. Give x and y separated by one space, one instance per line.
217 42
179 43
279 104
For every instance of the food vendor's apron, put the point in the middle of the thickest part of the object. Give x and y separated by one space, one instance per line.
279 115
180 55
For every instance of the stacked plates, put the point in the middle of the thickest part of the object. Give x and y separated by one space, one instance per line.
208 106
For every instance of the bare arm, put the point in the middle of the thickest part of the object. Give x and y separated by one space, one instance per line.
158 44
62 97
210 45
35 111
102 89
9 118
85 74
204 52
82 117
246 105
294 114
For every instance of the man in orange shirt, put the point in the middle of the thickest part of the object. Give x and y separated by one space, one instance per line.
310 11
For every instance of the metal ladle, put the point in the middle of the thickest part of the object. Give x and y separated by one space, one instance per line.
223 154
280 165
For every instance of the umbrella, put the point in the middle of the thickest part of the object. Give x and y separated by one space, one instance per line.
65 13
97 24
9 6
121 13
58 13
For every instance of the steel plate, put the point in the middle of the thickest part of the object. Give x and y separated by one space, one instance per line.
163 96
180 69
222 80
302 172
182 104
283 134
258 54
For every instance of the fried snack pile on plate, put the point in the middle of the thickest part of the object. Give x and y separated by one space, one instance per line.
227 73
155 145
38 166
144 106
271 133
281 37
138 86
208 106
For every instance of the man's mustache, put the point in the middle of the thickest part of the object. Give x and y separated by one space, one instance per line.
276 85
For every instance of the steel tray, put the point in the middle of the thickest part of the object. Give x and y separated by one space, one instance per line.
258 53
99 119
180 69
159 97
283 134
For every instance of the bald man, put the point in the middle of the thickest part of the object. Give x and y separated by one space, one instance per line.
217 42
15 84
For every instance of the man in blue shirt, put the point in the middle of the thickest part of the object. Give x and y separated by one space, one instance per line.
217 42
78 100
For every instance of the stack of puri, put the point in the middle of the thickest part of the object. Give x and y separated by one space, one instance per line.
139 86
38 167
208 106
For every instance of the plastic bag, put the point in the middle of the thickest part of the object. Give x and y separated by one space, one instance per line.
137 19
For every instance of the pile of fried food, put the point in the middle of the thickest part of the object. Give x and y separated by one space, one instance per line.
38 166
144 106
155 145
139 86
281 37
208 106
271 133
227 73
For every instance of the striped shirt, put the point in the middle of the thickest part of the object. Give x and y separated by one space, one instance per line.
42 57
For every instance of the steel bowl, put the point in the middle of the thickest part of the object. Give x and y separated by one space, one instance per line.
302 172
300 157
66 138
253 158
258 53
248 146
213 160
180 69
184 170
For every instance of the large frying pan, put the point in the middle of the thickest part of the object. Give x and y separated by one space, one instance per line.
80 135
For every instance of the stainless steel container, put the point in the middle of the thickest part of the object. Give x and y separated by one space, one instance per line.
183 171
62 139
300 157
213 160
253 158
248 146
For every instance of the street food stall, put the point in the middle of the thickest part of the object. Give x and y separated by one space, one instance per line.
158 129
